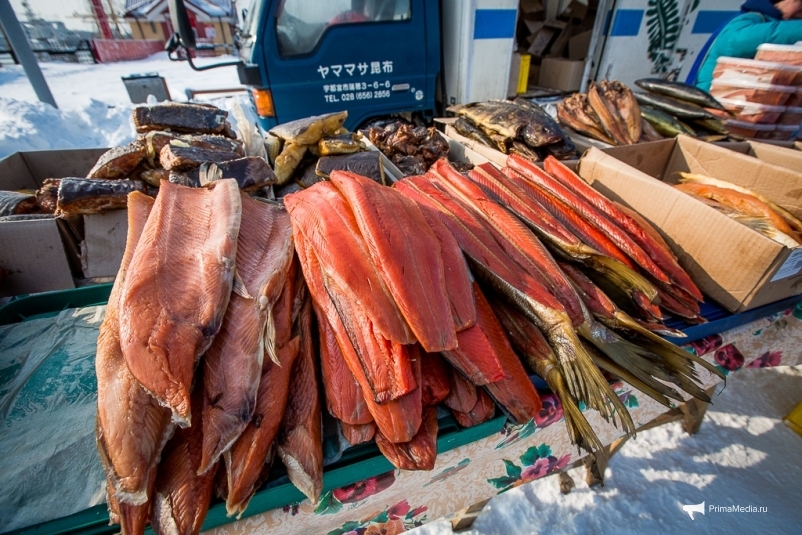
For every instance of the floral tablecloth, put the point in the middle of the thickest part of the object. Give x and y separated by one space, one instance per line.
399 500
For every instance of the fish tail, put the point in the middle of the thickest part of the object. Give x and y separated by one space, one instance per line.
579 430
620 275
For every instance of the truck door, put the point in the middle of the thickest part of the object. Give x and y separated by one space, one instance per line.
370 57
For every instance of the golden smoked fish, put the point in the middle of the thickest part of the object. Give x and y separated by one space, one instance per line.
178 287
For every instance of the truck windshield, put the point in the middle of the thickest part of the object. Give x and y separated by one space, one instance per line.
301 23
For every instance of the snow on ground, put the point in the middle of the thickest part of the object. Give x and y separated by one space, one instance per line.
94 107
743 455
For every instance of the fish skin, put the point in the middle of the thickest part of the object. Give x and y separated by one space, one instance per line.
627 106
436 384
398 419
163 333
248 455
300 440
407 255
572 220
482 411
513 236
457 275
419 453
181 496
664 123
338 226
515 393
617 235
233 364
131 427
462 395
663 257
358 433
577 113
344 397
466 128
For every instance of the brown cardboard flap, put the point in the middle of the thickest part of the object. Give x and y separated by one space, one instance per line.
651 158
104 243
773 154
15 175
60 163
726 259
778 183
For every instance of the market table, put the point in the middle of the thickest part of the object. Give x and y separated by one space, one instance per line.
363 494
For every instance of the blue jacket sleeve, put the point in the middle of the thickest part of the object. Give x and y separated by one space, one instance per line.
744 34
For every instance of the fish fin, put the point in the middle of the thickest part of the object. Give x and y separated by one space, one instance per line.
579 430
239 286
621 276
268 341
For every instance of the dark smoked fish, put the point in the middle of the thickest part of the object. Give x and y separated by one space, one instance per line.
182 117
119 161
14 203
78 196
176 157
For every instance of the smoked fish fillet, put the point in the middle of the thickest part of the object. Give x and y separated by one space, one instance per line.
462 395
398 419
407 254
133 519
344 397
327 222
181 497
300 439
178 287
324 218
482 411
436 384
233 364
419 453
359 433
131 427
515 393
248 455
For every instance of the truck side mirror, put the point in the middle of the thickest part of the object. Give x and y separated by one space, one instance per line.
180 20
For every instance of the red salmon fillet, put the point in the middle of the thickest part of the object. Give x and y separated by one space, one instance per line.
178 287
131 427
419 453
359 433
324 217
482 411
398 419
515 393
300 440
407 254
247 456
436 384
181 496
462 395
344 398
384 361
233 364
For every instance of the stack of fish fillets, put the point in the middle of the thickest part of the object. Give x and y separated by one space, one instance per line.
205 359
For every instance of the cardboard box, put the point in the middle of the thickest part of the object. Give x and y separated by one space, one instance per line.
736 266
101 252
41 255
561 73
579 45
783 154
541 37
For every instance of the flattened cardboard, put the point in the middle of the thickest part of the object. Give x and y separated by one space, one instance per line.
784 155
729 262
491 154
104 243
32 257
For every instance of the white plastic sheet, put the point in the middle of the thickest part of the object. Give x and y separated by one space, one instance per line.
48 402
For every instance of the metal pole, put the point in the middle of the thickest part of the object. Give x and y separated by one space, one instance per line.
18 42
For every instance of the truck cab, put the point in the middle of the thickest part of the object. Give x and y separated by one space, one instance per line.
372 57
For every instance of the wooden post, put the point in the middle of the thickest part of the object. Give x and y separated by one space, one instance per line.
595 464
464 519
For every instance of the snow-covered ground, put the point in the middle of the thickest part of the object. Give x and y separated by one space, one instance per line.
94 107
743 455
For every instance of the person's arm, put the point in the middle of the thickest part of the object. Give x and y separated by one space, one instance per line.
745 36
